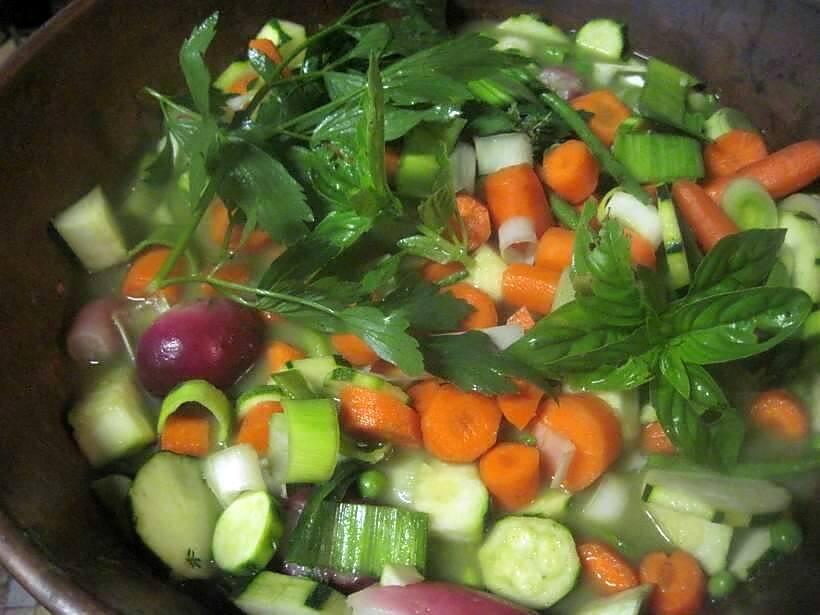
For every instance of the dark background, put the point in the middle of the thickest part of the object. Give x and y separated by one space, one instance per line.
19 17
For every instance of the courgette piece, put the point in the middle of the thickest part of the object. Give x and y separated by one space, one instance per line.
550 503
801 203
679 274
706 541
419 164
602 37
486 272
749 205
627 602
399 575
246 534
287 36
271 593
751 549
255 396
175 513
529 560
800 252
454 562
724 120
232 74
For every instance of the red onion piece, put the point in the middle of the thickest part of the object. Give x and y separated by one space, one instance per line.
556 452
429 598
563 81
93 337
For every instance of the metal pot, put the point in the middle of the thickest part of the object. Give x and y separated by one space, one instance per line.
73 115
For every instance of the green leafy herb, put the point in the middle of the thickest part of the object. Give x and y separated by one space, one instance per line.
192 62
425 307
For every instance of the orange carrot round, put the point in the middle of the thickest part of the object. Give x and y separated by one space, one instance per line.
255 426
267 47
517 191
606 569
522 318
436 272
732 151
187 431
378 415
145 268
555 249
780 413
460 427
641 251
422 394
238 273
705 217
240 84
607 113
353 348
679 582
510 471
484 313
521 407
476 220
590 424
785 171
571 170
218 225
532 287
279 353
655 441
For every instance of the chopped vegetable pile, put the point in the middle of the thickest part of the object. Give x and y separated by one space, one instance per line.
488 321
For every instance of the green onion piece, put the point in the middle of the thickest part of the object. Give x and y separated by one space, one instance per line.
313 439
653 157
564 212
664 95
501 90
361 538
608 162
292 384
203 393
313 343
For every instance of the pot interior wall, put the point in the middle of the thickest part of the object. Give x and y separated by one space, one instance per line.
73 115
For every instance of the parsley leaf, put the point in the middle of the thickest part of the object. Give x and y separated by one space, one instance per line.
193 65
387 336
425 307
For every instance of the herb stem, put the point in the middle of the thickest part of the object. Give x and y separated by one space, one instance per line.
177 251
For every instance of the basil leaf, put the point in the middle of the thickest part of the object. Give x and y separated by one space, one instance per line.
734 325
742 260
705 428
636 371
674 370
193 65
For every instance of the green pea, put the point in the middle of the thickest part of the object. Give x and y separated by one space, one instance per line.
372 484
786 535
721 584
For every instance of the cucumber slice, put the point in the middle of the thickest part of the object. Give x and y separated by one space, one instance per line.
564 290
602 37
255 396
312 343
678 500
608 504
706 541
292 384
533 28
723 493
627 602
246 534
271 593
548 504
111 421
92 232
678 264
287 36
400 575
529 560
751 548
454 562
800 252
454 497
419 166
175 513
232 74
315 371
748 204
487 272
806 204
726 119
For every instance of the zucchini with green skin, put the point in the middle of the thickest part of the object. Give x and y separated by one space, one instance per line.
246 534
602 37
706 541
271 593
628 602
676 260
800 252
724 120
748 204
751 548
255 396
529 560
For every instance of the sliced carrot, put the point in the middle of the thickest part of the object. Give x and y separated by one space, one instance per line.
219 222
530 286
781 173
255 426
732 151
606 569
279 353
517 191
555 249
520 408
780 413
510 471
378 415
523 318
607 113
353 348
590 424
705 217
654 440
392 158
484 313
187 431
238 273
267 47
571 170
460 427
436 272
476 220
422 394
641 251
240 84
679 583
143 271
